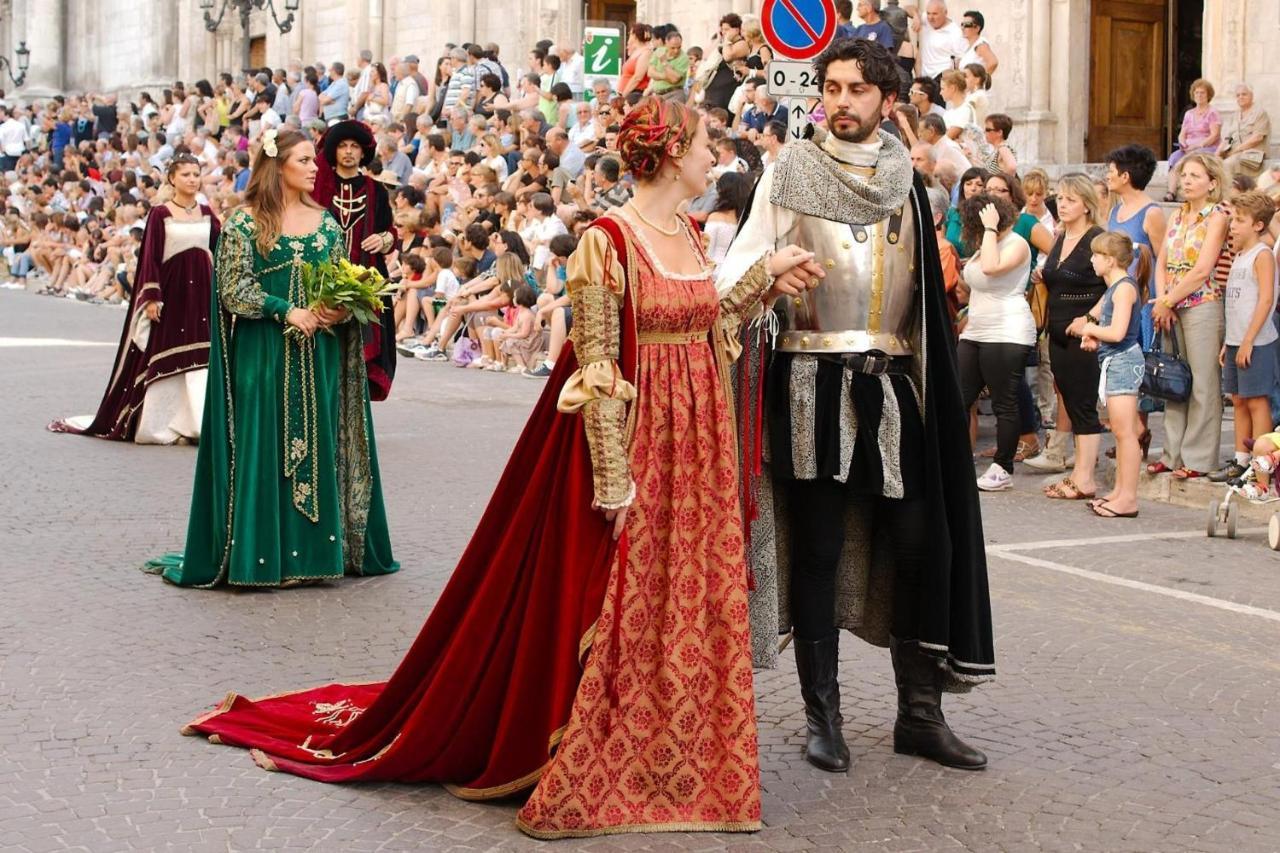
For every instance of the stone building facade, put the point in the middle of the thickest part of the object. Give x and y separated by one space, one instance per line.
1051 79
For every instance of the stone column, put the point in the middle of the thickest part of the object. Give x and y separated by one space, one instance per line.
43 25
1035 137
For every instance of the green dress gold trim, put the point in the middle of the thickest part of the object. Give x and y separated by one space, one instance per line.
267 507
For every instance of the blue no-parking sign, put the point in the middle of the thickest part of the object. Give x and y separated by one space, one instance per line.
798 29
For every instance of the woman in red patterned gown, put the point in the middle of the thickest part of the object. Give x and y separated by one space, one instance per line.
601 654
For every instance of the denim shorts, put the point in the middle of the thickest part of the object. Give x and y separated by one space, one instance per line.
1124 372
1256 380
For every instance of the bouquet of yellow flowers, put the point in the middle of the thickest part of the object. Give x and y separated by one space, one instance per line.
344 285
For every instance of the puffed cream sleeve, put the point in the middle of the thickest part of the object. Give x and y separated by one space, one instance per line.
596 285
743 276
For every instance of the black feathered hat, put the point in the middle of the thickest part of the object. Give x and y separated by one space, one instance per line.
354 130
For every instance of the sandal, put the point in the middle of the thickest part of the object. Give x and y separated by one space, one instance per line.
1158 468
1102 510
1185 473
1059 491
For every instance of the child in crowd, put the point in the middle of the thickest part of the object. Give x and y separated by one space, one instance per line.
1248 355
1111 328
415 294
554 311
549 226
523 341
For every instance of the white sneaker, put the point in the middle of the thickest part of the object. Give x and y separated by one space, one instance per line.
995 480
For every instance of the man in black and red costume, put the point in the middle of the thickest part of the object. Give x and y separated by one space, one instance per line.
361 206
858 483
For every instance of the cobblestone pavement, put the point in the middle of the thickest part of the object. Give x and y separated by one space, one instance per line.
1136 707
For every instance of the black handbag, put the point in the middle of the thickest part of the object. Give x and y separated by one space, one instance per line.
1166 377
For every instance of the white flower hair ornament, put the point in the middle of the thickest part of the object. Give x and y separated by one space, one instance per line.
269 143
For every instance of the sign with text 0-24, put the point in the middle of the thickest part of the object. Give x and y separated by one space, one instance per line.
788 79
601 56
798 29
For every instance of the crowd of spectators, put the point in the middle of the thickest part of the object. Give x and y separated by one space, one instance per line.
495 165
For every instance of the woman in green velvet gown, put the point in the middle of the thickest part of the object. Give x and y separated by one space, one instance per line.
286 486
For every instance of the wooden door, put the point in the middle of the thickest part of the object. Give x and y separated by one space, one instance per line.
1127 75
611 11
258 52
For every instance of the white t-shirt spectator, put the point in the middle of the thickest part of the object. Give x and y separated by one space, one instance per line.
447 285
582 132
552 226
738 165
571 73
961 116
13 137
947 150
499 166
270 119
938 46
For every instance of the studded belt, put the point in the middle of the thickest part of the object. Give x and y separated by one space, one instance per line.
839 343
873 363
671 337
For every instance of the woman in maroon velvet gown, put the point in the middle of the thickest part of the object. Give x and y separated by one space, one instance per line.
156 391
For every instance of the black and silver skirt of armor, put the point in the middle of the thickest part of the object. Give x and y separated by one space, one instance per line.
826 420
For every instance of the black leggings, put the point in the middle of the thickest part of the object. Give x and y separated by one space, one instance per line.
816 514
1075 373
999 367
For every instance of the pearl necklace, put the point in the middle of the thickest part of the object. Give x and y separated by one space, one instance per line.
673 232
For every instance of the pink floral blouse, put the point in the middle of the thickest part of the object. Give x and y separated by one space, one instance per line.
1185 238
1199 128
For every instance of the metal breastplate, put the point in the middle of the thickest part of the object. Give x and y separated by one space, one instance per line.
867 300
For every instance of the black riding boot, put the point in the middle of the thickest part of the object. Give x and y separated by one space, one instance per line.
817 661
921 729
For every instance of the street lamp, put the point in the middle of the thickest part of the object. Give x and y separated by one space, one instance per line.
24 62
245 7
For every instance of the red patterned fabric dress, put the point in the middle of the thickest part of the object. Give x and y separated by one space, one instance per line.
614 676
662 735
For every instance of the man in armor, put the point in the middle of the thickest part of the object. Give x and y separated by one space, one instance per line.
361 206
857 478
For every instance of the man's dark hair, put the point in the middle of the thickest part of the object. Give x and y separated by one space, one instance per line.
340 68
878 66
552 61
977 19
435 141
610 169
550 161
934 122
412 195
562 92
477 236
1138 161
476 50
927 85
534 78
777 130
473 158
1002 123
543 203
562 245
844 9
757 80
242 159
733 20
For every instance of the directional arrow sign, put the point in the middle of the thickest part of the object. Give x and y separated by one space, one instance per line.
798 29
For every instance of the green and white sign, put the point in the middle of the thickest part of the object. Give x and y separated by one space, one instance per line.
602 56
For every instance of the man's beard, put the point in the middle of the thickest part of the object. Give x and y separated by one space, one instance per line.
348 164
860 132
